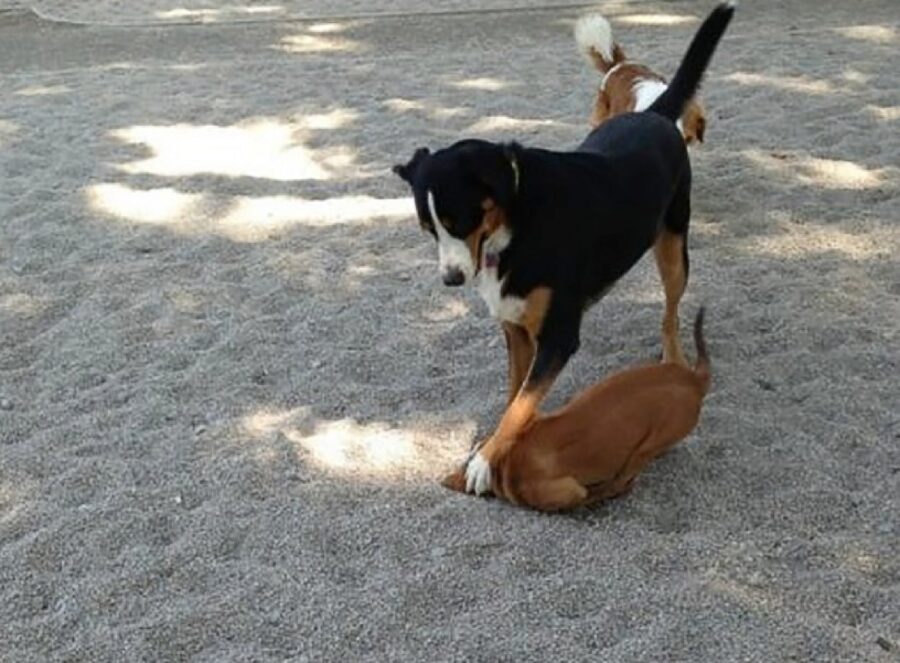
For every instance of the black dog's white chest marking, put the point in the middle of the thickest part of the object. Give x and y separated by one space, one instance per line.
489 284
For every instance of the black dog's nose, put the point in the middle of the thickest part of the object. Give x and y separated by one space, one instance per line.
454 276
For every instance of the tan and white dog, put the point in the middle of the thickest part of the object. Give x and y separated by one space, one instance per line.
627 86
593 448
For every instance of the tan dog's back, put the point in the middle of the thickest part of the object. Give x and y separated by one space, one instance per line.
595 446
627 86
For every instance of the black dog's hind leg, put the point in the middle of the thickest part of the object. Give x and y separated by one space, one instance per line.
671 252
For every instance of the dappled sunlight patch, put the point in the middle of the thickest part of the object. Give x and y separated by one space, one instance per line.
326 28
656 19
43 90
162 206
220 13
13 497
885 113
789 83
348 447
855 76
506 123
482 83
334 119
799 241
22 304
253 218
262 147
400 105
824 173
876 34
404 105
317 43
454 309
7 130
862 561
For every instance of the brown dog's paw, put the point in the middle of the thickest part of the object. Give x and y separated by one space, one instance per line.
456 480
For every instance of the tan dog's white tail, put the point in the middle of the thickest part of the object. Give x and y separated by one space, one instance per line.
594 38
701 367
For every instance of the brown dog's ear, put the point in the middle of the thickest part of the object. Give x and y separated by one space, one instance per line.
407 171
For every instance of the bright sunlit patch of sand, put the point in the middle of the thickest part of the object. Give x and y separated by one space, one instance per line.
403 105
451 310
878 34
43 90
342 445
13 497
7 130
483 83
439 113
326 28
885 113
335 119
312 43
251 219
21 304
346 446
183 14
825 173
154 206
505 123
264 148
656 19
854 76
801 240
790 83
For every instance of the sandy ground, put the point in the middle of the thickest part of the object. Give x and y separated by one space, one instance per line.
229 377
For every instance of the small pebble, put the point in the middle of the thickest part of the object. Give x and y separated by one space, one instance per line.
6 404
199 430
884 643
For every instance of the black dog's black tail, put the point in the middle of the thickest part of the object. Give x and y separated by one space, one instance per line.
687 79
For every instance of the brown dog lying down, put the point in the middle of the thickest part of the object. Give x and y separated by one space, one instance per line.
594 447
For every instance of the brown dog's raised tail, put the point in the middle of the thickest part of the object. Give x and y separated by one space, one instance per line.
701 367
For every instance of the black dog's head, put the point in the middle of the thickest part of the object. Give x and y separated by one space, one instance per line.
463 194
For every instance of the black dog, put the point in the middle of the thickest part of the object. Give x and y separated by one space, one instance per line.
545 234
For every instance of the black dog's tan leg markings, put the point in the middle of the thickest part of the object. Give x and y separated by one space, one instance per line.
551 350
537 304
669 250
520 355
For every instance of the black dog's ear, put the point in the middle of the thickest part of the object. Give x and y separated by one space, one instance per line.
407 171
497 168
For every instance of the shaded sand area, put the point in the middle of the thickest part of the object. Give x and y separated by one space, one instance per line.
229 376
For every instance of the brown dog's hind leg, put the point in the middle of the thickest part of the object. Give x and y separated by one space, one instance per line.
553 494
671 253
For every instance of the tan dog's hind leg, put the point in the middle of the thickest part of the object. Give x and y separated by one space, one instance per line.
553 494
520 354
669 253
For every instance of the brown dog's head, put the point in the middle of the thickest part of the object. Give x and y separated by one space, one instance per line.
462 194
